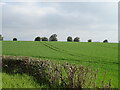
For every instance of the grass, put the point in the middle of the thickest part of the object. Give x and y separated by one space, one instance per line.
102 56
17 80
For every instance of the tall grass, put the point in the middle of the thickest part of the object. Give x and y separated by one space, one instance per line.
18 81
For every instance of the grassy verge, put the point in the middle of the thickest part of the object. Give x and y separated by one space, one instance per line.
19 81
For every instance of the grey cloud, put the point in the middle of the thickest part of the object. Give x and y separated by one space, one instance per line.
87 20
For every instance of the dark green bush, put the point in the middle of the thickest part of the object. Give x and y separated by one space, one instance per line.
37 39
14 39
105 41
53 37
90 40
77 39
1 37
69 39
44 39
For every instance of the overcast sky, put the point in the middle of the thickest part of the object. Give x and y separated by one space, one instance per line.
87 20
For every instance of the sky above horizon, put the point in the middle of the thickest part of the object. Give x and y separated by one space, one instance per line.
87 20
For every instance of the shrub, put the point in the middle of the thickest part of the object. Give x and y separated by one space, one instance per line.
55 75
1 37
76 39
90 40
105 41
14 39
37 39
44 39
69 39
53 37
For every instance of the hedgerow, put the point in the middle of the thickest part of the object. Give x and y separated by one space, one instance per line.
55 75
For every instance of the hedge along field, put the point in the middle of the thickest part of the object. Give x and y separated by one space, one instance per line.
102 56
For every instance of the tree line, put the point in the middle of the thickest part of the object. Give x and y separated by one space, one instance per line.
53 37
69 39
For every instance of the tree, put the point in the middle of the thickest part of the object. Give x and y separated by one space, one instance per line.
53 37
14 39
1 38
69 39
44 39
90 40
105 41
77 39
37 39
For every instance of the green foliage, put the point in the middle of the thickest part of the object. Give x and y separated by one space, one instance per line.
76 39
44 39
1 37
102 56
105 41
37 39
53 37
14 39
69 39
90 40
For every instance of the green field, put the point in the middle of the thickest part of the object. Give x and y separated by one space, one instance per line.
102 56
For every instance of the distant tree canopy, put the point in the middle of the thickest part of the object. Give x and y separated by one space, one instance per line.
53 37
44 39
14 39
90 40
37 39
69 39
1 38
105 41
77 39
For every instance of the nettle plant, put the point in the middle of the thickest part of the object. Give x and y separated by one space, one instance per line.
55 75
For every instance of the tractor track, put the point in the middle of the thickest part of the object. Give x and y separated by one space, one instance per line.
81 55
